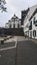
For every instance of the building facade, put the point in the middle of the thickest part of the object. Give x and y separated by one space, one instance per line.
33 25
29 28
15 22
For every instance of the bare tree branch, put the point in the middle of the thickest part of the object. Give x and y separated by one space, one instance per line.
2 7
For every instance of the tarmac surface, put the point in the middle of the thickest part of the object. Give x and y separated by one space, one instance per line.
9 44
22 52
7 57
26 53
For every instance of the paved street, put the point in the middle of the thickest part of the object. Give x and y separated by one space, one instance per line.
8 57
8 54
24 53
10 44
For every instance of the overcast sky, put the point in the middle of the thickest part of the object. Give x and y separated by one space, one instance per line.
15 7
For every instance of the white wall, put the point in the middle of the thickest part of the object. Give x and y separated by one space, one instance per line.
12 24
26 26
26 20
33 26
16 24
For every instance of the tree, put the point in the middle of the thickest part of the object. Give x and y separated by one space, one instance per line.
2 5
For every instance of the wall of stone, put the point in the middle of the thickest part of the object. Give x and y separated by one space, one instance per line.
12 31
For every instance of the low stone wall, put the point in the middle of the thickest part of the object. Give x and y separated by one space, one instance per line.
12 31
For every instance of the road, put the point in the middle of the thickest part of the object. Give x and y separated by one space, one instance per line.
8 53
8 57
24 53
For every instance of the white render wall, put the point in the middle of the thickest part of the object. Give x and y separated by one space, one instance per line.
26 20
26 26
12 23
33 26
16 24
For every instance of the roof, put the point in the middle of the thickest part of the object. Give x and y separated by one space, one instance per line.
14 17
31 11
33 14
6 23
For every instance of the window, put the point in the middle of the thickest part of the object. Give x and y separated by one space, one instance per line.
36 23
14 26
31 34
34 33
30 27
18 25
10 26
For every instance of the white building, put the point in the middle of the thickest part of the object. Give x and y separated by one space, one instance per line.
29 20
7 25
33 25
15 22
